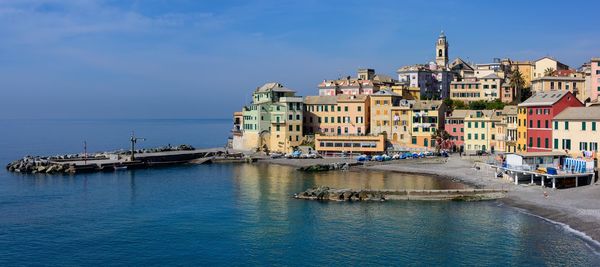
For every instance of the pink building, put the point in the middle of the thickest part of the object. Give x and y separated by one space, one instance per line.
595 82
455 127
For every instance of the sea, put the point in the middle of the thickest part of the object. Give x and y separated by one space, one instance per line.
243 214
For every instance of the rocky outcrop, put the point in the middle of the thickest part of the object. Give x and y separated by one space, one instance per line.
328 167
470 194
326 193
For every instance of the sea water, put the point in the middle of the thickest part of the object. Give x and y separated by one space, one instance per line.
243 214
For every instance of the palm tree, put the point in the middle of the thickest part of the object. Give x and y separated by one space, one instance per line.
517 82
548 71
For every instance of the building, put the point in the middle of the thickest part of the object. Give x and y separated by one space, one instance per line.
544 64
526 70
273 121
574 83
461 69
491 84
480 131
594 90
365 83
427 117
466 90
508 121
576 131
521 129
337 115
381 111
454 126
441 48
357 144
541 109
433 79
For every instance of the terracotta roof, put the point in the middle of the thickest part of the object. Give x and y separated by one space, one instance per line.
320 100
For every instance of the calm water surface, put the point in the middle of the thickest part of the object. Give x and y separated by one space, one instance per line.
226 214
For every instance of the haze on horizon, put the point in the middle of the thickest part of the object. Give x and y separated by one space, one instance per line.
202 59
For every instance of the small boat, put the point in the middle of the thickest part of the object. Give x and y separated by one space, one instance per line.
120 168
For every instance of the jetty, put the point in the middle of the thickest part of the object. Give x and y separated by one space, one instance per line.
111 161
325 193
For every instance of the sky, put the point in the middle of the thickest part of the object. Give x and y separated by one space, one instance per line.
104 59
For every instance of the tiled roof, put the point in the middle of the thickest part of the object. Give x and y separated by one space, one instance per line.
459 113
509 110
275 87
579 113
320 100
544 99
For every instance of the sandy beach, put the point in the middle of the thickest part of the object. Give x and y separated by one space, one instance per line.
579 208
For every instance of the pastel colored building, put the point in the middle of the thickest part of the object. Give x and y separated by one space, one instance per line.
428 116
521 129
541 109
336 115
576 131
541 65
480 131
467 90
508 128
273 121
574 83
594 91
454 126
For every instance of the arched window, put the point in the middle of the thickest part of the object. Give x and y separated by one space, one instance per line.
440 53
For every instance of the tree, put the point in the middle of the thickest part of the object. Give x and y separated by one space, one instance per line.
517 83
460 104
478 105
526 93
548 71
442 140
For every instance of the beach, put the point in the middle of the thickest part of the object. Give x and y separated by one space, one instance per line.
577 208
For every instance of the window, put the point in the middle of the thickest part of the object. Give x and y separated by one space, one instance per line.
530 123
297 129
476 135
566 125
546 145
555 143
469 125
583 126
546 124
556 125
359 108
469 137
583 146
539 143
538 123
453 130
290 128
593 126
493 137
482 136
346 108
414 140
530 141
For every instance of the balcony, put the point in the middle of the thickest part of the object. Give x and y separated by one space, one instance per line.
278 120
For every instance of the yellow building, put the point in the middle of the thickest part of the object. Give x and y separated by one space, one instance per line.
480 131
521 129
526 70
427 116
337 115
381 111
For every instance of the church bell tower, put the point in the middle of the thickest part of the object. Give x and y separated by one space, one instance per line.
441 51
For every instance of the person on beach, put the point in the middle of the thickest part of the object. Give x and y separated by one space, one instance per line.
545 194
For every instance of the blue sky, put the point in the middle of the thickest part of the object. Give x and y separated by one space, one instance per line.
202 59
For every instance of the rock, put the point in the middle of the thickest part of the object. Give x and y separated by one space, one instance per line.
51 169
347 195
41 169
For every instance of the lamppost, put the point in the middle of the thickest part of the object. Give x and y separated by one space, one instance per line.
134 140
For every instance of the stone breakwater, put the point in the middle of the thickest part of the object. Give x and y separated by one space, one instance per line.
108 161
38 165
329 167
331 194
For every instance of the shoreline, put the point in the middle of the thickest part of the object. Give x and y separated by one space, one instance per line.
576 209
